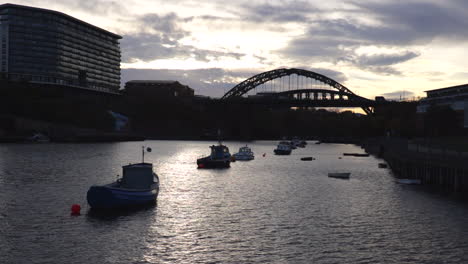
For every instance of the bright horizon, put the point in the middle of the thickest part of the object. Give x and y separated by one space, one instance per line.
375 48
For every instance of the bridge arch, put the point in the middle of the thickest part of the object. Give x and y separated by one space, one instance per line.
256 80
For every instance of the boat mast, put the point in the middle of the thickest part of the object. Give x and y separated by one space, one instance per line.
148 149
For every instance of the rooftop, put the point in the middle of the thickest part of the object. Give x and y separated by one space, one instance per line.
8 5
457 87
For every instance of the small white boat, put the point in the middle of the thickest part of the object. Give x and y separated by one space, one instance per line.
339 175
245 153
409 181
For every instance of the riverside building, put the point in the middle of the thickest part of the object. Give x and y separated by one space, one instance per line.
157 89
455 97
49 47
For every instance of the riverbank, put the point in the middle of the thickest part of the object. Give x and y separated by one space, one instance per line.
437 165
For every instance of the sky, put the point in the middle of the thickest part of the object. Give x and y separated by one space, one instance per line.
374 47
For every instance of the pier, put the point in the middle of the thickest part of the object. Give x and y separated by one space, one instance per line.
440 167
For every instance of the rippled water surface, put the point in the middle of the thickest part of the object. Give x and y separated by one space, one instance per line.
274 209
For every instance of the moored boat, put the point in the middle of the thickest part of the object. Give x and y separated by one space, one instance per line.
339 175
38 138
409 181
383 165
283 149
307 158
219 158
356 154
296 142
138 186
245 153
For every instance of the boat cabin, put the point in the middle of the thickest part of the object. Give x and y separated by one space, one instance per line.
137 176
245 150
219 152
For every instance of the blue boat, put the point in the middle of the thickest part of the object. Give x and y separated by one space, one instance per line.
138 186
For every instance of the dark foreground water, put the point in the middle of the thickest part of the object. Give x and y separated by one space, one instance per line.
274 209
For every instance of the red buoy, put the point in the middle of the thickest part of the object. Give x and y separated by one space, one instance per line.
75 209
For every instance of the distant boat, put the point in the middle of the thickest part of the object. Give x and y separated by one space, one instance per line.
356 154
283 149
307 158
383 165
298 143
38 138
339 175
409 181
219 158
289 143
138 186
245 153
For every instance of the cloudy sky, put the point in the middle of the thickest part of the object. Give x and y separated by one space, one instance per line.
374 47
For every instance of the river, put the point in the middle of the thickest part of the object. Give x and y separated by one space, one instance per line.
274 209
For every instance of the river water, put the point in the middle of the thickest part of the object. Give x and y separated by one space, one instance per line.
274 209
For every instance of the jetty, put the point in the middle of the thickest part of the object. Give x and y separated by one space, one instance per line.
436 165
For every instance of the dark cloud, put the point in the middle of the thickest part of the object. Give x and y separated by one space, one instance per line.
319 48
332 74
285 11
421 22
148 47
97 7
337 40
396 24
386 59
167 24
380 63
162 41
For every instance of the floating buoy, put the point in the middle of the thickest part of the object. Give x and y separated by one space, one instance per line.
75 209
264 154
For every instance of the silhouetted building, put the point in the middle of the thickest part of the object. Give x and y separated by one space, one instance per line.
157 89
45 46
455 97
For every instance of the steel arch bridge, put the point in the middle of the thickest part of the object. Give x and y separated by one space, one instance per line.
340 97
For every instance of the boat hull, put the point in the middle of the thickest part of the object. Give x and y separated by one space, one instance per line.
207 163
409 181
244 157
105 197
282 152
356 154
339 175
